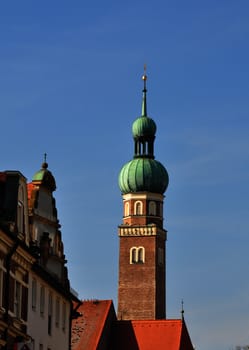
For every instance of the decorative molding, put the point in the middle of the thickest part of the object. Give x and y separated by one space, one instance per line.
139 231
18 323
143 195
44 220
23 260
6 242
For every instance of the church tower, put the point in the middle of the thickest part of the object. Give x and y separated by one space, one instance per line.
142 181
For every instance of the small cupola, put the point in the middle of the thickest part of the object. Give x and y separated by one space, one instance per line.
44 177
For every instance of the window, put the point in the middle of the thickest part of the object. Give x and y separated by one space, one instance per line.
160 256
64 317
42 300
20 220
138 208
20 210
133 255
1 287
57 312
137 255
2 284
40 346
152 208
127 209
34 294
18 295
17 299
140 255
50 313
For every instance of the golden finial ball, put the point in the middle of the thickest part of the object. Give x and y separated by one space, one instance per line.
144 77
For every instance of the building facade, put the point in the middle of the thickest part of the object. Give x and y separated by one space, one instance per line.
16 260
35 297
49 291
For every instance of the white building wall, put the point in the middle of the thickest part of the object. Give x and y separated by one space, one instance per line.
38 317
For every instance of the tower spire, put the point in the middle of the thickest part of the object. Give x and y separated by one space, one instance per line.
45 164
182 310
144 102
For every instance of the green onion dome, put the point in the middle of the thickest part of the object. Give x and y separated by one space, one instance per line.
143 174
143 126
45 177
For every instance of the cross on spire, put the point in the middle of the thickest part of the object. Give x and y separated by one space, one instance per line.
144 77
45 164
182 311
144 103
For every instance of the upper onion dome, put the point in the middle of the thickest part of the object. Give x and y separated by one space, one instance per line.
143 126
45 177
143 175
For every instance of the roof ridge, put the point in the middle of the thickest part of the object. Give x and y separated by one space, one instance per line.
103 321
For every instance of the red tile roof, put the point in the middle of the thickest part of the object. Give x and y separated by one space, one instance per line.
89 328
150 335
96 328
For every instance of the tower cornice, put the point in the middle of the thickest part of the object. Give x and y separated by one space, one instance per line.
143 195
141 231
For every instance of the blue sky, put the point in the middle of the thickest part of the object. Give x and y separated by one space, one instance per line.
71 86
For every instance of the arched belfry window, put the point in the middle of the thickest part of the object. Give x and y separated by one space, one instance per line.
152 208
137 255
133 255
127 209
138 208
141 255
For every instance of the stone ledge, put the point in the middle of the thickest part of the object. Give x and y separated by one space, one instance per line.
141 231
